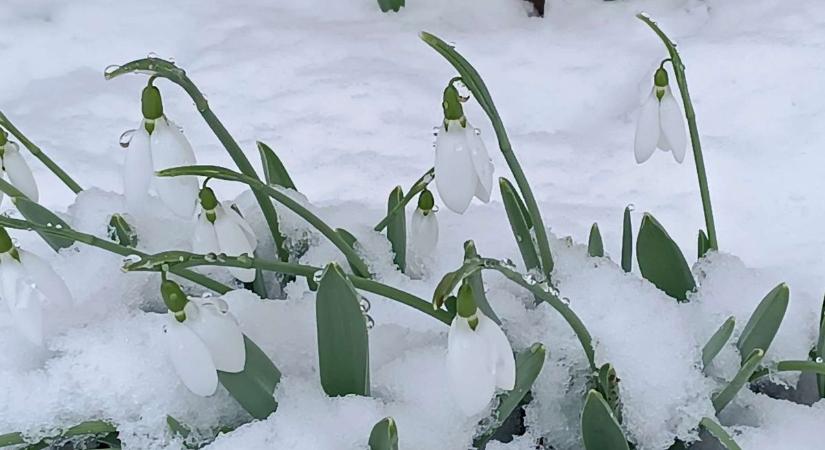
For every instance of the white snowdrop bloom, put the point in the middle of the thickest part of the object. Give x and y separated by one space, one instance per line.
479 357
15 169
155 145
462 165
27 284
223 231
201 337
423 232
661 123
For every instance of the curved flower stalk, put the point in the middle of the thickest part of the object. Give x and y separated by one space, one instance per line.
201 337
479 356
27 283
417 187
15 169
660 123
463 169
155 145
423 232
222 231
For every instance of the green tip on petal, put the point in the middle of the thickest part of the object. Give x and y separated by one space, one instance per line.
173 296
151 103
452 104
426 202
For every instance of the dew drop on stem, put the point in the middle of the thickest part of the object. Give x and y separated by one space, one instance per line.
110 69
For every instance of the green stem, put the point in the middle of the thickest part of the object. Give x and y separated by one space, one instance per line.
165 69
109 246
473 81
222 173
38 153
416 188
91 427
791 366
181 260
690 115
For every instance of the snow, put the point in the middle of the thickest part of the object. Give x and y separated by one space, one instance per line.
348 97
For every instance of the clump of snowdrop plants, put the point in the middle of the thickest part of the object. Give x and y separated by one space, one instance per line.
489 378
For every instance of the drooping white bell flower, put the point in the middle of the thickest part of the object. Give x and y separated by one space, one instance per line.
223 231
15 169
462 165
27 284
155 145
423 234
201 337
661 123
479 356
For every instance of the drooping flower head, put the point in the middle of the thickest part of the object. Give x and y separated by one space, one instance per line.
661 123
15 169
155 145
462 165
423 234
201 337
479 356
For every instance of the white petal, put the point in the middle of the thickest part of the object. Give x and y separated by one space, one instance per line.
45 279
647 129
137 170
245 226
673 125
203 239
221 334
18 172
191 358
481 163
233 241
423 233
24 303
171 149
455 176
497 342
469 368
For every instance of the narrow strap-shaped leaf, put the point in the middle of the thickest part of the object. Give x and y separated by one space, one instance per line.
477 284
528 366
397 228
723 397
661 262
717 341
121 232
254 386
92 427
35 213
627 241
348 237
820 351
177 428
703 244
600 430
384 435
764 322
608 386
343 345
719 433
390 5
595 246
274 170
520 224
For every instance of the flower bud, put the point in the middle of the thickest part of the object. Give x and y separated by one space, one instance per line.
209 202
452 105
174 298
660 82
466 306
151 103
426 202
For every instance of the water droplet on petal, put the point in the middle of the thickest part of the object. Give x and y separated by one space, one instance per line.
370 321
365 305
126 138
477 131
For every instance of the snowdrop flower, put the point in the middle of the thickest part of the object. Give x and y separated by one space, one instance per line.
27 283
15 169
424 225
660 123
462 165
155 145
222 231
479 356
201 337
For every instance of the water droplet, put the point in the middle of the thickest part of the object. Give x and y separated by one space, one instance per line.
316 277
210 257
59 226
370 321
365 305
110 69
645 15
171 59
819 359
631 207
244 258
207 295
429 178
152 55
565 300
222 257
126 138
477 131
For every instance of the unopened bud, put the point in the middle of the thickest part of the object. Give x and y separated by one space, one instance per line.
174 298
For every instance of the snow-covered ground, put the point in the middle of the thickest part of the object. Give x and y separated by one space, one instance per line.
348 97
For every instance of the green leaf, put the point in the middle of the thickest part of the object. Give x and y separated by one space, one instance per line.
600 430
703 244
595 246
390 5
722 398
477 284
717 342
719 433
121 232
627 241
177 428
528 366
661 262
764 322
347 237
820 350
343 344
608 386
254 386
35 213
397 228
274 170
384 435
520 224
